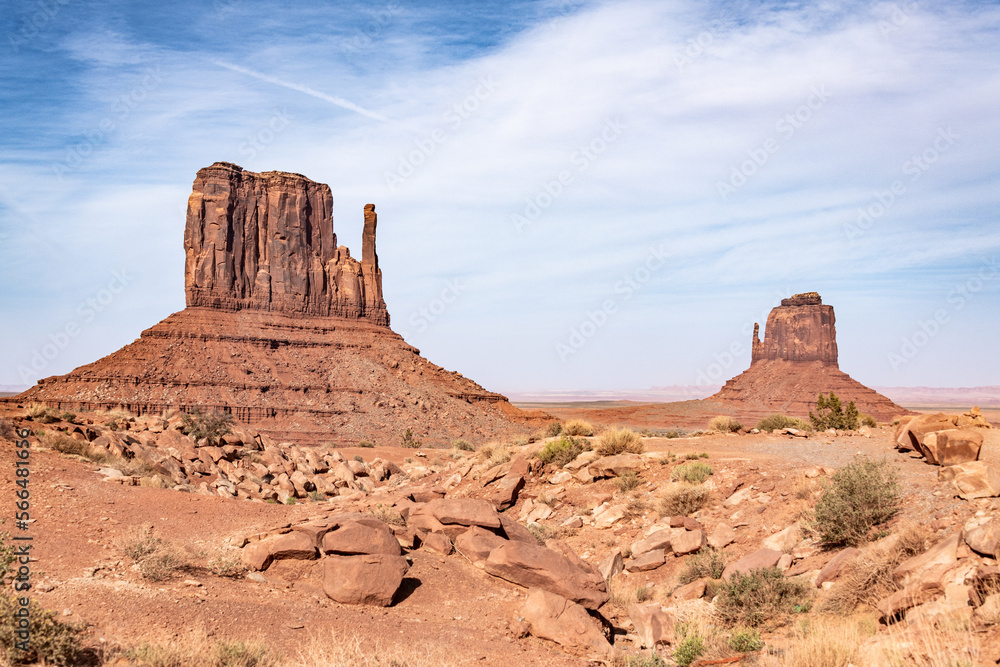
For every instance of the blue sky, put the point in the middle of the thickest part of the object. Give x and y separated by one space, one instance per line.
571 195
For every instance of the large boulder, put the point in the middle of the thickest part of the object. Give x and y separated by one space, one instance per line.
784 540
369 579
985 538
911 430
504 493
553 617
356 538
461 511
533 566
515 531
951 447
972 480
477 544
944 553
836 565
616 466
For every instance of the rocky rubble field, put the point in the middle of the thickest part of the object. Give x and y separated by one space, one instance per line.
568 549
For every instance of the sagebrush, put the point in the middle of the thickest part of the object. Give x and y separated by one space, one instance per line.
578 427
682 500
751 599
693 472
619 441
777 422
211 425
859 496
724 424
560 452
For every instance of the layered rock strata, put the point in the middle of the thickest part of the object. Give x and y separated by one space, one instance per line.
797 361
283 329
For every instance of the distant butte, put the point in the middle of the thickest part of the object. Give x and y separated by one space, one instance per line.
796 361
284 329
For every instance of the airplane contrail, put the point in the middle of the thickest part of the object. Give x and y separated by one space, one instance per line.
339 101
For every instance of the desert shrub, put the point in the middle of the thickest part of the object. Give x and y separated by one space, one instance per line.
494 454
53 642
66 445
210 425
560 452
688 650
622 592
7 430
619 441
859 496
627 481
831 414
462 446
709 563
671 434
195 650
365 444
757 596
226 564
155 558
388 515
682 500
358 458
409 441
68 417
867 420
724 424
135 467
773 422
41 414
667 459
651 660
241 654
746 640
553 429
578 427
867 578
693 472
832 643
634 508
542 533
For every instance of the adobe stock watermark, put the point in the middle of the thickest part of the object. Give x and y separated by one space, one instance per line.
121 108
785 128
366 35
960 295
262 137
423 317
34 22
580 160
914 167
898 17
624 289
719 369
428 145
85 313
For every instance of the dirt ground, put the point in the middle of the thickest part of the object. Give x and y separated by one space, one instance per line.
448 608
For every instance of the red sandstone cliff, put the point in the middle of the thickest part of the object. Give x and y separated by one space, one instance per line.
285 330
797 361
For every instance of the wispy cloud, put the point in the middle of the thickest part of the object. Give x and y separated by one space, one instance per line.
332 99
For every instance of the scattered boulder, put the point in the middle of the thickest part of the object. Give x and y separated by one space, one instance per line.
692 591
357 538
553 617
762 558
972 480
368 579
437 542
612 565
984 539
462 511
652 625
951 447
533 566
256 556
688 542
836 565
784 540
659 539
616 466
944 553
504 492
515 531
721 536
647 561
477 543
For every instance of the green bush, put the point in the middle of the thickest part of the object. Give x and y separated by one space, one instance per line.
52 641
858 497
627 481
708 563
830 414
619 441
693 472
758 596
682 500
462 446
560 452
724 424
553 429
774 422
688 650
578 427
745 640
210 425
409 441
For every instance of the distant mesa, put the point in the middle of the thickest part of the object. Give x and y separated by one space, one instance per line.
796 361
284 329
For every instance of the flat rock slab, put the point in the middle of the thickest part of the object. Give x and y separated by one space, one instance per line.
370 579
615 466
355 538
464 512
647 561
533 566
477 544
762 558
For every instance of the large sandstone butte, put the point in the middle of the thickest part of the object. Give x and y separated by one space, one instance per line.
284 329
797 361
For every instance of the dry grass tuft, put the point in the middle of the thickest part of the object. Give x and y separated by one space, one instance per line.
682 500
868 578
724 424
578 427
827 642
195 649
155 558
493 454
338 651
622 592
619 441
